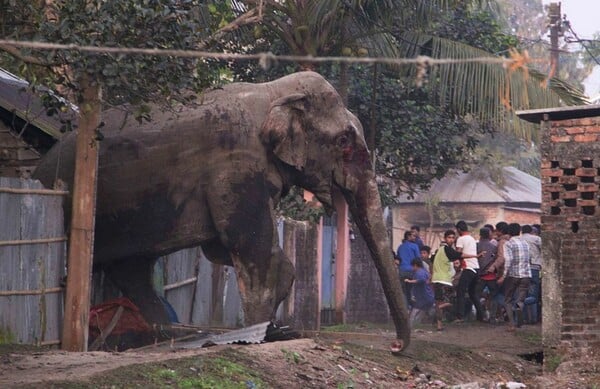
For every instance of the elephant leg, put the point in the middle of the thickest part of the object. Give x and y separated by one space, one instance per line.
245 221
134 278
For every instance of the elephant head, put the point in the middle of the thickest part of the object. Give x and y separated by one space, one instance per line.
313 137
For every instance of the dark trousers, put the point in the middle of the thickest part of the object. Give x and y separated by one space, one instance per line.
468 283
406 287
493 290
515 292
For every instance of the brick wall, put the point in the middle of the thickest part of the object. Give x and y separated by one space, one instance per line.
571 235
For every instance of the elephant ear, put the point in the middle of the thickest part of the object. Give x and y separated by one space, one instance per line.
282 131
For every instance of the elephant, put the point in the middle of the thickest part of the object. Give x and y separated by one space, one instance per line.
210 173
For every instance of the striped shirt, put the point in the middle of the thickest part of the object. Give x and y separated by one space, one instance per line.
516 254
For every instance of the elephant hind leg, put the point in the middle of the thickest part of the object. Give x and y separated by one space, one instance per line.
134 278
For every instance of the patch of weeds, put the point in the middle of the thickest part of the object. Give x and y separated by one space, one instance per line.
339 328
6 336
292 356
530 337
346 385
552 361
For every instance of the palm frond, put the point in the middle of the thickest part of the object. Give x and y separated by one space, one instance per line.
488 92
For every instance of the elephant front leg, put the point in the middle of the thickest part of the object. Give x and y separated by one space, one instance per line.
244 218
264 282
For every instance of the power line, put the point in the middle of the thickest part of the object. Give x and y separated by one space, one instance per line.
580 41
265 59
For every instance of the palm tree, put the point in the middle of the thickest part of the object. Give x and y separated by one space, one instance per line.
402 28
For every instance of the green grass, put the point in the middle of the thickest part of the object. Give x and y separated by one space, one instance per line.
6 336
552 361
221 371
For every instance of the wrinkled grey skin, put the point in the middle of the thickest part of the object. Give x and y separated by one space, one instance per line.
212 174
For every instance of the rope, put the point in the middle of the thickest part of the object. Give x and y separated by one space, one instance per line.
50 192
264 58
32 241
33 292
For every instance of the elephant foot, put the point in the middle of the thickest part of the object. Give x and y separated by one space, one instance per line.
397 346
134 278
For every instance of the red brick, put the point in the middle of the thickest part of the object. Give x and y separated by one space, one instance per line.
587 203
560 139
585 138
552 187
587 187
586 172
546 164
593 129
569 195
552 172
575 130
568 180
585 121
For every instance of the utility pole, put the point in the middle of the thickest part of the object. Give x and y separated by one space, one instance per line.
555 25
81 240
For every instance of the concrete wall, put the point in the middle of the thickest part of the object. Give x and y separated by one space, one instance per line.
365 301
571 232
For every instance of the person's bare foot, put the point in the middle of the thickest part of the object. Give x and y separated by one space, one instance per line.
511 329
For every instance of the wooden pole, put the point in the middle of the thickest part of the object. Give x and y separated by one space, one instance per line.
81 242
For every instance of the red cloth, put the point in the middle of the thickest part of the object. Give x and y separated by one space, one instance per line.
131 319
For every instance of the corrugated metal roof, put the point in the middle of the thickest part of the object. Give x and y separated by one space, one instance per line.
252 334
560 113
17 97
519 187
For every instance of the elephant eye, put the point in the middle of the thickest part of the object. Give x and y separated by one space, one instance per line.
343 141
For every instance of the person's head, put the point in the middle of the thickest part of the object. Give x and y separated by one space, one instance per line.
409 236
484 234
425 252
537 229
491 228
416 230
449 237
527 229
462 227
514 229
416 263
501 228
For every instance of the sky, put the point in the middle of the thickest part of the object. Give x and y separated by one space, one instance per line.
583 15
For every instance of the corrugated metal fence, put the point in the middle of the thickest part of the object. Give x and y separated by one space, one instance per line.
207 294
32 262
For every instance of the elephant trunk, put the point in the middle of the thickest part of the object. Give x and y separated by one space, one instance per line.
365 206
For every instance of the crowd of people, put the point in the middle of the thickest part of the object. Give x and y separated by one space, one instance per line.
495 279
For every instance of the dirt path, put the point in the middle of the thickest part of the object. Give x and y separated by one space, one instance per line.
356 358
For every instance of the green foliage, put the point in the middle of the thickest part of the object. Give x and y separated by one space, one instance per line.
124 78
478 28
295 207
415 140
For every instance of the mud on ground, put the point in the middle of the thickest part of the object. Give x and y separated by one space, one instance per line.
342 357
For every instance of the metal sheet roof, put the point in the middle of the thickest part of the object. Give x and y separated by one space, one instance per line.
519 187
252 334
560 113
17 97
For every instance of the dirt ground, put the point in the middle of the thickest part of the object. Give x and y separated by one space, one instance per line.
340 357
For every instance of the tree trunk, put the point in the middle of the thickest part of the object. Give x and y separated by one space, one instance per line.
81 242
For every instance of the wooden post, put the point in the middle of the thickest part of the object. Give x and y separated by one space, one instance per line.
81 242
342 256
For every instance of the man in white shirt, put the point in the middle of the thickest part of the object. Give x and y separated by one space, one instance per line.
467 283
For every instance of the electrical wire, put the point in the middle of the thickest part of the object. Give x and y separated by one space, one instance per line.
580 41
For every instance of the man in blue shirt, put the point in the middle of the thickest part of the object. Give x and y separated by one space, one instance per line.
407 251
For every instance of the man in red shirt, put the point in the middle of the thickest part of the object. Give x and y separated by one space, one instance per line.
488 279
